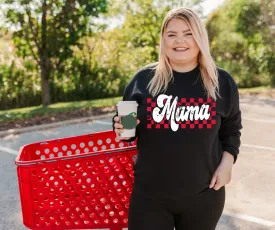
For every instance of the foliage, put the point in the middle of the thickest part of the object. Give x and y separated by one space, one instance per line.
240 46
87 60
47 30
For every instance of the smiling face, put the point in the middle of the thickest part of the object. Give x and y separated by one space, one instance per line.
178 35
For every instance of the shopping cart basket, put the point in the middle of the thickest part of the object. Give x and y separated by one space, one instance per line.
77 182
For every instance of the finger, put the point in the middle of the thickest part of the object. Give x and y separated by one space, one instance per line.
213 181
217 186
116 119
118 135
124 138
119 131
118 126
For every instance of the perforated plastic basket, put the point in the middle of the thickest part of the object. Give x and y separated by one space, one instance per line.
77 182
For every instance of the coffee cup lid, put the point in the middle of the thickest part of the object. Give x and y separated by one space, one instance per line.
127 102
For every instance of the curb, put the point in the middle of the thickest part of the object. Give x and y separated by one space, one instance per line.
54 125
257 95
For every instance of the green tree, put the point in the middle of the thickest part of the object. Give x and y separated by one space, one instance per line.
257 25
142 24
47 30
268 18
243 45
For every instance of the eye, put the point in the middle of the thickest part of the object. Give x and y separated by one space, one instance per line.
189 34
171 35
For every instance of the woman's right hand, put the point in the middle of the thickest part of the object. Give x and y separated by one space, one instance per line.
119 128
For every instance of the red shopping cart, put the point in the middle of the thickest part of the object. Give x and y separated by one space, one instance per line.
77 182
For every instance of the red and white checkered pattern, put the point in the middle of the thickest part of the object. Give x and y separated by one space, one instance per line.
151 104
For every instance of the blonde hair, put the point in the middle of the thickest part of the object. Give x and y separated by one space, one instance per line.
163 70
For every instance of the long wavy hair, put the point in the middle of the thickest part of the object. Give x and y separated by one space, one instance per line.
163 73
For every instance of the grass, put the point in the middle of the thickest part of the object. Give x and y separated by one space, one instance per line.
28 112
256 89
262 91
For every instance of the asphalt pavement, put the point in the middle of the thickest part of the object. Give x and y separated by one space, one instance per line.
250 197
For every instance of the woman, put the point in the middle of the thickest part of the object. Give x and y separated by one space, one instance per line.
188 131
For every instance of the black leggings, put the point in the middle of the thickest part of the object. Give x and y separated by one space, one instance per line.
200 212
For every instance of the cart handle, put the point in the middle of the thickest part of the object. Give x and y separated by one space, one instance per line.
27 163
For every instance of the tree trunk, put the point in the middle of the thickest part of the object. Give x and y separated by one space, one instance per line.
44 58
45 75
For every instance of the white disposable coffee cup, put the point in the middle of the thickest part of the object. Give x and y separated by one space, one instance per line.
125 108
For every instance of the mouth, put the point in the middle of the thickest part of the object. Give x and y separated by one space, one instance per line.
181 50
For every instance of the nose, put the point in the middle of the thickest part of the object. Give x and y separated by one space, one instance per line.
180 40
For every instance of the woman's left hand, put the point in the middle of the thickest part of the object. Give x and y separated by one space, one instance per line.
222 175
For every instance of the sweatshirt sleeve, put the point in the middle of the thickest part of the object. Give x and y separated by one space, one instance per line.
229 132
126 97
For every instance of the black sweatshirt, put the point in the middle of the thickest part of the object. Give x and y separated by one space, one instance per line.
182 133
